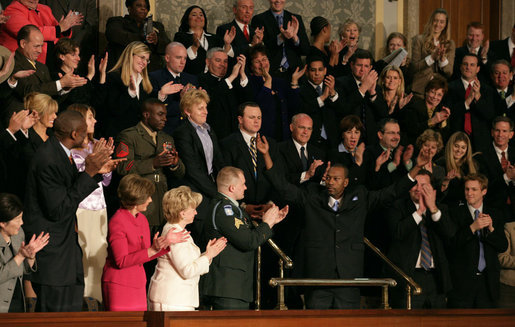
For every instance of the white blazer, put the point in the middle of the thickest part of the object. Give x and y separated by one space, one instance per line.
175 280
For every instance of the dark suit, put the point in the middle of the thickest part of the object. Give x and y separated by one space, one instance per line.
274 51
240 45
327 116
483 75
481 113
334 239
501 107
471 290
292 163
223 103
405 249
499 49
120 31
159 78
54 190
363 107
197 65
357 174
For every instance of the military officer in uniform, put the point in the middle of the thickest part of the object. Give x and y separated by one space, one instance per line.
229 283
150 153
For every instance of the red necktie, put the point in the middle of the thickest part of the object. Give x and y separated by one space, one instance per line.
504 161
246 33
468 123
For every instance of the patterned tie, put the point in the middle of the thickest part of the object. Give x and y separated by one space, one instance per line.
467 128
502 94
504 161
482 263
71 159
253 154
303 159
319 90
246 33
284 60
335 205
425 248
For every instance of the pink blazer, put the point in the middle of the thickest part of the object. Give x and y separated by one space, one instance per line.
20 16
129 239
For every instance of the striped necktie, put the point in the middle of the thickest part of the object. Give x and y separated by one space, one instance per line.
253 154
425 248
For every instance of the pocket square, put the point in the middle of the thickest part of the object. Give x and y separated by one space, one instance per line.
355 198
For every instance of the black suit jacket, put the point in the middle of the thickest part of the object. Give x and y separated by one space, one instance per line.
501 108
406 240
237 154
192 154
54 190
275 52
292 165
483 75
499 49
328 116
239 45
197 65
333 241
481 113
464 251
414 121
223 103
354 104
159 78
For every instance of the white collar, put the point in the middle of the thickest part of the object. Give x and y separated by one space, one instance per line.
247 136
472 209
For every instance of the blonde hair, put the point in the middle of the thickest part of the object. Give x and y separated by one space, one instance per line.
125 62
41 103
444 37
177 200
430 135
191 98
451 163
227 175
343 26
400 89
134 190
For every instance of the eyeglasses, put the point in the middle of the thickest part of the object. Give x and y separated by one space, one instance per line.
143 58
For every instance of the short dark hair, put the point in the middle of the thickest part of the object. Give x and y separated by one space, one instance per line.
340 165
349 122
504 119
314 58
470 54
500 62
148 103
361 54
134 190
477 25
384 121
241 107
65 46
432 181
24 32
67 122
129 3
483 181
10 207
255 50
437 83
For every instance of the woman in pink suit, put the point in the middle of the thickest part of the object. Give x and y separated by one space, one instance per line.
24 12
123 279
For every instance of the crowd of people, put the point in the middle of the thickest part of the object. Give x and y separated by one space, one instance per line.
147 177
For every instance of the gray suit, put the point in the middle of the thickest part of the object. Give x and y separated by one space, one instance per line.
10 271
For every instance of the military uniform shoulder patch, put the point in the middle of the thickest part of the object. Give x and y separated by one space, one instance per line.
122 150
237 223
228 210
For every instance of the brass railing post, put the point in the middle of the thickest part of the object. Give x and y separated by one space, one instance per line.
385 303
408 296
258 279
280 289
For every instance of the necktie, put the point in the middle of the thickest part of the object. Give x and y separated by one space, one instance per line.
284 60
425 248
467 128
502 94
363 110
253 154
482 263
335 205
246 33
303 159
319 90
504 161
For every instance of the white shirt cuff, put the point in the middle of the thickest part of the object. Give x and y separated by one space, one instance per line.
429 60
334 98
229 84
230 53
443 63
303 177
244 82
509 101
436 216
417 217
320 102
191 54
132 94
58 84
12 86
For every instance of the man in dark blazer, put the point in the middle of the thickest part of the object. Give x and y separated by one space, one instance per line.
478 240
497 169
54 190
237 152
168 82
473 44
471 104
320 100
150 153
503 49
229 285
30 40
333 232
504 95
360 92
419 229
284 37
245 35
226 93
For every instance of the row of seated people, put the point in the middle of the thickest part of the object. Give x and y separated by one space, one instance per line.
195 156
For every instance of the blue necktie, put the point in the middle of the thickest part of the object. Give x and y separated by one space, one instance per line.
335 205
482 263
284 60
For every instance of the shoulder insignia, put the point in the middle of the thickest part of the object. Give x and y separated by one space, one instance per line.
122 150
237 223
129 165
228 210
355 198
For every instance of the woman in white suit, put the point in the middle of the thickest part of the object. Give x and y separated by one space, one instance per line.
174 285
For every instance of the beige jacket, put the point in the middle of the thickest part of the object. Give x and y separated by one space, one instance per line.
507 259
